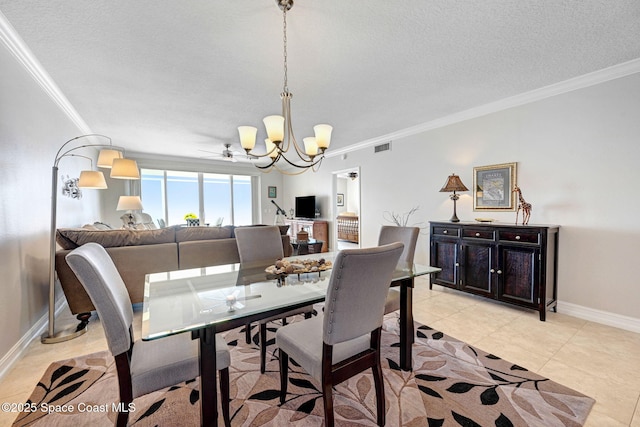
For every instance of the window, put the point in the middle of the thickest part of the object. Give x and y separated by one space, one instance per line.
214 198
182 196
152 192
217 198
242 199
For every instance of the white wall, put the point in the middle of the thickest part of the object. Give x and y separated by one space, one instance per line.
351 190
341 188
32 129
577 155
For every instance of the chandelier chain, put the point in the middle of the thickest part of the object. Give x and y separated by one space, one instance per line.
280 128
284 40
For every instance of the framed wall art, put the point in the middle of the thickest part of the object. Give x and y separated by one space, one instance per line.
493 187
340 199
273 192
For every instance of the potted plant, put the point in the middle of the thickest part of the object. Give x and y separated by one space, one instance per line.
192 219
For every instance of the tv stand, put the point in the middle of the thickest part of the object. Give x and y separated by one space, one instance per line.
317 229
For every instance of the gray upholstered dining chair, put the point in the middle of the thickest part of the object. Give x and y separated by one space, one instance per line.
263 244
408 236
346 339
142 366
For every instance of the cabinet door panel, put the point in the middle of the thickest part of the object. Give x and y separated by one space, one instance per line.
444 255
477 262
519 272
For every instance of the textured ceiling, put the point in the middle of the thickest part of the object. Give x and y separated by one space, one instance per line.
175 77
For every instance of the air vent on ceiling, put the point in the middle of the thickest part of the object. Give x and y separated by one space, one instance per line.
382 147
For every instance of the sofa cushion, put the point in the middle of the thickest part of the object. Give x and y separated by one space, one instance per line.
202 253
71 238
133 263
189 234
283 228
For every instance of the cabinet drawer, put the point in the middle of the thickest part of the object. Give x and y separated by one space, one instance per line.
446 231
468 233
522 236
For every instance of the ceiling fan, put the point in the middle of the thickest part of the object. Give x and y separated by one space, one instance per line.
227 154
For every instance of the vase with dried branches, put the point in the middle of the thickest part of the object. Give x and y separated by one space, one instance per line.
402 220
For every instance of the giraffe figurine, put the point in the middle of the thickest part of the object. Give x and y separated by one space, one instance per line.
522 204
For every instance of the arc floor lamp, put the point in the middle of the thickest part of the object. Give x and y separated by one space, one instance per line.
110 157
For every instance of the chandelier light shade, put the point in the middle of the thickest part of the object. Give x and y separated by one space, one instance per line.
247 137
323 135
92 179
310 146
125 169
280 129
271 148
275 128
453 184
106 157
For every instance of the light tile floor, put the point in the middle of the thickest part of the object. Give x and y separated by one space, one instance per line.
597 360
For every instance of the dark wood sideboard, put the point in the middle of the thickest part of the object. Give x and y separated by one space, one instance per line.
515 264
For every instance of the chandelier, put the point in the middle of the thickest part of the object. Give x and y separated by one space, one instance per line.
280 129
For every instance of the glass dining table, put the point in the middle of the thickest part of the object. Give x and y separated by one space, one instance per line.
205 301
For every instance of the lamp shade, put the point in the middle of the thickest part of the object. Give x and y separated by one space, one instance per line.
92 179
453 184
106 157
125 169
275 128
323 135
271 148
247 137
310 146
129 203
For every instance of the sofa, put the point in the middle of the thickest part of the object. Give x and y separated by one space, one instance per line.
139 252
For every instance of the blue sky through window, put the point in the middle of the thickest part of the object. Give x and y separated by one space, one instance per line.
225 197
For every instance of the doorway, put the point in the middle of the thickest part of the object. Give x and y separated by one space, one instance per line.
346 208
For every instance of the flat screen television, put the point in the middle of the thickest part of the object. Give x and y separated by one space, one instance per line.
306 207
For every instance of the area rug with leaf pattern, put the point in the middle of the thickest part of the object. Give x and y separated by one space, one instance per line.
452 384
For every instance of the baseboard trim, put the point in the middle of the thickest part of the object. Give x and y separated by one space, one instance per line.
627 323
9 359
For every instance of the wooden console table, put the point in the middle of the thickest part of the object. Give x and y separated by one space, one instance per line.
516 264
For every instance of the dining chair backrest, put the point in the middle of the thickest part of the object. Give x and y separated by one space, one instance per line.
98 274
357 290
261 243
406 235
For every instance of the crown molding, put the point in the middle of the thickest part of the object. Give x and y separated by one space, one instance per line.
14 43
580 82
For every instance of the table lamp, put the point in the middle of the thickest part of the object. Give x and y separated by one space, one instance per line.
453 184
129 203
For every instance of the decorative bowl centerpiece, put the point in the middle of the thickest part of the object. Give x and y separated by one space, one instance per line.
282 268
